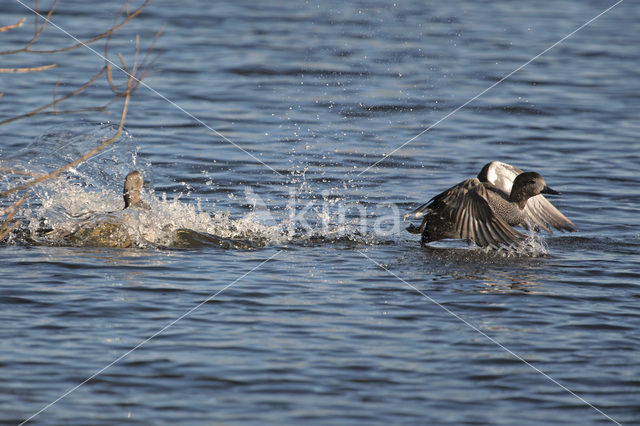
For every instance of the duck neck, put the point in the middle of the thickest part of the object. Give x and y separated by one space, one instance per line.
519 198
131 198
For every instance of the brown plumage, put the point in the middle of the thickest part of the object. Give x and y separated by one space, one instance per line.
133 184
485 209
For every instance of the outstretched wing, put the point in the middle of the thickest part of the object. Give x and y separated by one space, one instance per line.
466 206
499 174
452 197
475 220
542 213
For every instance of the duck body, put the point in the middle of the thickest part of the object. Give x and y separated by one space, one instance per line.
106 231
487 208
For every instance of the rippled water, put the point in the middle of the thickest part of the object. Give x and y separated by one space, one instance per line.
299 295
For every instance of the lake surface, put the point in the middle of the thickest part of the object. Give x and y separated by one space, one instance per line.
275 284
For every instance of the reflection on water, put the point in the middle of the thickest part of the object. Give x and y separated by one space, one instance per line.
86 256
474 270
512 282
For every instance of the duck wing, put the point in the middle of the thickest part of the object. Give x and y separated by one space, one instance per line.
499 174
466 206
475 220
446 201
542 213
451 197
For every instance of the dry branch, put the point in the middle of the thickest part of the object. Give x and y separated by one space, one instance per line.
12 171
39 32
84 157
57 101
135 74
28 69
10 211
10 27
119 93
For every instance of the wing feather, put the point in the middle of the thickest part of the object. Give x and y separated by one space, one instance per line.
451 197
541 212
475 220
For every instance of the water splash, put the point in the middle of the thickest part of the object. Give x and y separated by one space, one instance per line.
70 214
532 246
84 206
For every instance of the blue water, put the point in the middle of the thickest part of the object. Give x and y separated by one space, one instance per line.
300 299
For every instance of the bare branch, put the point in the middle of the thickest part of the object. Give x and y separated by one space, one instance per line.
29 69
5 231
96 38
12 171
84 157
135 74
44 24
153 45
39 32
12 209
57 101
11 212
37 15
141 69
10 27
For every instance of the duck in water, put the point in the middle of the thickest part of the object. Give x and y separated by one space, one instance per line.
485 209
133 185
105 230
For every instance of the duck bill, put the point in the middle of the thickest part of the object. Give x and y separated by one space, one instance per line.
547 190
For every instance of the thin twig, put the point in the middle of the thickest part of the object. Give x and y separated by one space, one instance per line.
27 47
10 27
141 70
153 44
29 69
37 15
5 232
83 158
107 64
55 95
103 107
12 171
57 101
39 32
11 210
96 38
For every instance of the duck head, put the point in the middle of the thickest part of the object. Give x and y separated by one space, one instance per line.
527 185
132 186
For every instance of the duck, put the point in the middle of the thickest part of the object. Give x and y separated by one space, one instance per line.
90 228
486 209
114 233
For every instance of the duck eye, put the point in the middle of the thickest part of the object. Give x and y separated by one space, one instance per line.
532 182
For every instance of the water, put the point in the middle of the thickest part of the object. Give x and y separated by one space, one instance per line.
313 304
